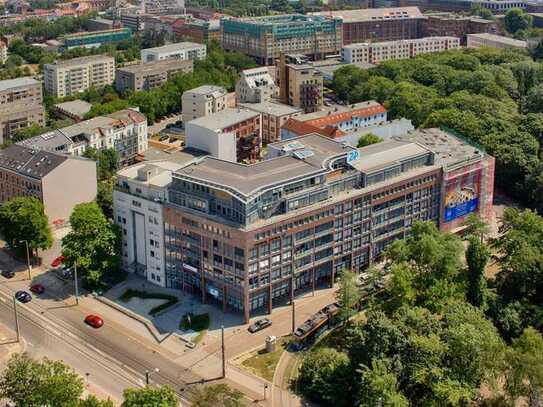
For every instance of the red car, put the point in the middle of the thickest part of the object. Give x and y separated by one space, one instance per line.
57 262
94 320
37 288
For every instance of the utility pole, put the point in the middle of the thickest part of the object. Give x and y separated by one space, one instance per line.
147 373
28 260
76 285
293 316
265 388
16 318
223 353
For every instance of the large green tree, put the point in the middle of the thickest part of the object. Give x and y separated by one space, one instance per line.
517 19
92 244
348 294
217 395
368 139
23 220
163 396
477 255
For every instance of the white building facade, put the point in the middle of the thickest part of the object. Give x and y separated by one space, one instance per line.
256 86
203 101
180 50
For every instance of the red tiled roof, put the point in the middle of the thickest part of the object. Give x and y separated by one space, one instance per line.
335 118
303 128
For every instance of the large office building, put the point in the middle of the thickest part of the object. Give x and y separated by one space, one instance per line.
72 76
20 105
124 131
57 180
203 101
256 85
247 237
454 25
376 52
495 41
95 38
231 135
140 77
201 31
379 24
300 84
266 38
180 50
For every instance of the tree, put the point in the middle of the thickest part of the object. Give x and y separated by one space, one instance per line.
516 20
217 395
368 139
163 396
525 375
92 401
104 197
379 387
348 294
476 226
32 383
107 161
477 256
534 99
23 220
93 244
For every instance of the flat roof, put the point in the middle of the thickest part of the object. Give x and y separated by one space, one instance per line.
408 41
178 46
205 90
49 141
15 83
282 19
77 107
374 14
381 155
500 38
369 107
224 118
81 60
155 65
273 108
161 172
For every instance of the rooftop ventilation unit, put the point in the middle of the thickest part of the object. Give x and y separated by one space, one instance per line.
295 145
303 154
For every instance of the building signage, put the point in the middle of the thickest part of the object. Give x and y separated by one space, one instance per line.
460 203
213 291
353 156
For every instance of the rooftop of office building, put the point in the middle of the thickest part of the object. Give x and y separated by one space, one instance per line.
17 82
224 118
206 90
150 67
29 162
175 47
399 42
272 108
281 19
81 60
374 14
157 172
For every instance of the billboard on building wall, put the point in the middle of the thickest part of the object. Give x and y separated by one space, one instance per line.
461 201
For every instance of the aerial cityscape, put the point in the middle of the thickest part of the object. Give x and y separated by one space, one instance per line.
225 203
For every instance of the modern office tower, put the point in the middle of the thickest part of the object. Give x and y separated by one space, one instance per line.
180 50
274 116
248 236
256 85
65 78
140 77
266 38
378 24
300 84
20 105
231 134
495 41
203 101
59 181
376 52
125 131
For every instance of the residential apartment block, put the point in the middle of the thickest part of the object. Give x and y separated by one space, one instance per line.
300 84
65 78
266 38
59 181
454 25
246 237
274 116
20 105
256 85
125 131
495 41
140 77
376 52
231 134
179 50
378 24
203 101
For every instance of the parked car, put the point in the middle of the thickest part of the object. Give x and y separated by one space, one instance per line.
94 320
23 296
57 262
37 288
8 273
259 325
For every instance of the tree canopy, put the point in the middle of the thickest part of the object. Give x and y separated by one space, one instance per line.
217 395
163 396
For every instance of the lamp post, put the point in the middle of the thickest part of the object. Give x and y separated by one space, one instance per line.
16 318
76 284
28 259
148 374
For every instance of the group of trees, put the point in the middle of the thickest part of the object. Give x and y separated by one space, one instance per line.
40 30
491 97
36 383
442 331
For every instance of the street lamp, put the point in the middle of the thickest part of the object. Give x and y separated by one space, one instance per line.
148 374
16 317
27 259
76 284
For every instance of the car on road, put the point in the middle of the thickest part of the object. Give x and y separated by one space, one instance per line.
57 262
8 273
259 325
37 288
23 296
94 320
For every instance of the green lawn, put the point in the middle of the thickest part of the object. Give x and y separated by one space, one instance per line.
170 299
198 323
263 364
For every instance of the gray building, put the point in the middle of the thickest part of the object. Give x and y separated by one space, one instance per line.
150 75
